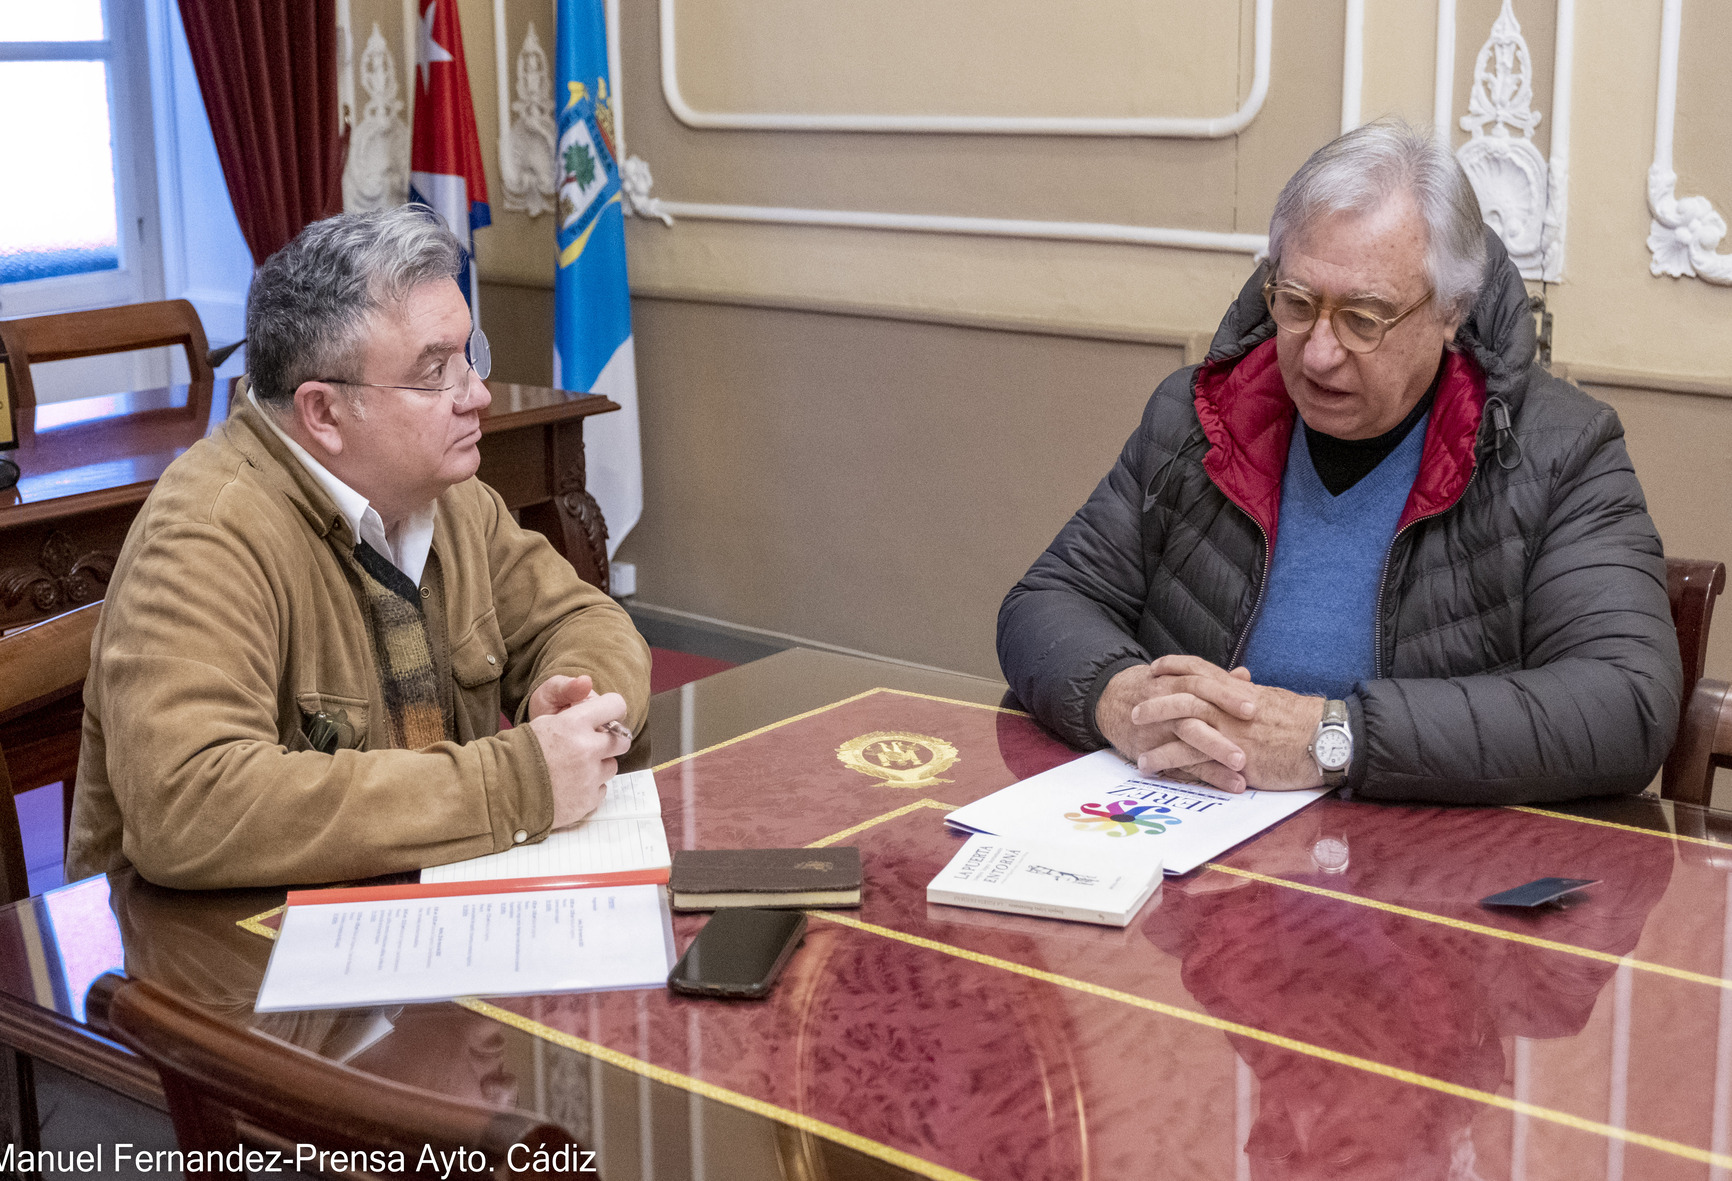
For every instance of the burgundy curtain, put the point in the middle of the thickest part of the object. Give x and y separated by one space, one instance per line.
268 70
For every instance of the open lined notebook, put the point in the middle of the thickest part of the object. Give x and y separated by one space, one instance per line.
624 835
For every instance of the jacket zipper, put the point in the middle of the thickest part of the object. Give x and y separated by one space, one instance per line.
1262 587
1383 578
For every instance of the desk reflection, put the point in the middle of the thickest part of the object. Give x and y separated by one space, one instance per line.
171 940
1414 996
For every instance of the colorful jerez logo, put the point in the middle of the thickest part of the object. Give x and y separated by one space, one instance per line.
1119 819
899 760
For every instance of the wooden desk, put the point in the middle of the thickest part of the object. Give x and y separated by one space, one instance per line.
1373 1023
88 465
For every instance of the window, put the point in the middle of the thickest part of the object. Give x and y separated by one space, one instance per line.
122 198
81 230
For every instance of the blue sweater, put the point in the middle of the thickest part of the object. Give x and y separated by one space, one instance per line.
1316 629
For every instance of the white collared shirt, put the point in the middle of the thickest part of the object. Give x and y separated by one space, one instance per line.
414 535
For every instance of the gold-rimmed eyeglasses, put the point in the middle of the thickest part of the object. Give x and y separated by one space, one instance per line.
477 358
1358 328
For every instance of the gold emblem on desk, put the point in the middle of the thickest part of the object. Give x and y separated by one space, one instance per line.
900 760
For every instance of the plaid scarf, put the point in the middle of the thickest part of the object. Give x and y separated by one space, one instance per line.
405 655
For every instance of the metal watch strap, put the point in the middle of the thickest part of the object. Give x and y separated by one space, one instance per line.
1335 717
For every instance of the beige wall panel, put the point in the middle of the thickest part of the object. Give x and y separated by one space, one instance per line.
1040 283
1400 60
1124 180
1680 445
1611 310
966 57
1303 112
1702 145
520 329
869 483
1473 21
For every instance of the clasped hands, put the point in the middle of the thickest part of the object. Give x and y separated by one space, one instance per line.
1185 718
582 735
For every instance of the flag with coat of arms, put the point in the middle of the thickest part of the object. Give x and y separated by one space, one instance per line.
592 337
445 171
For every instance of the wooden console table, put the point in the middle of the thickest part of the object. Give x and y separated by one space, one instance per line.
88 464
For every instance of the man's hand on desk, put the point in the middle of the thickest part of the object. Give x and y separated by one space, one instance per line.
1182 716
582 735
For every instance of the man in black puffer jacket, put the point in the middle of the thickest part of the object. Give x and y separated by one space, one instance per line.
1465 599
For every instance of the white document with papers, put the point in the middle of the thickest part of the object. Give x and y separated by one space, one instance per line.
624 834
1103 802
401 950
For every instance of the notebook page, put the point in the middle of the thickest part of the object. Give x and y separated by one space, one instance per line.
625 833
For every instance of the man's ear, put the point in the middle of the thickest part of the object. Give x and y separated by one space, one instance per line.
323 414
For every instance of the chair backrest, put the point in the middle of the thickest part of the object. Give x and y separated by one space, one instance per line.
1704 744
42 671
1692 584
33 339
213 1071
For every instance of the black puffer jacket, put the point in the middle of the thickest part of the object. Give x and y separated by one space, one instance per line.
1525 648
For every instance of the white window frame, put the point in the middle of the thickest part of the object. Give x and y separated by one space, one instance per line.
138 234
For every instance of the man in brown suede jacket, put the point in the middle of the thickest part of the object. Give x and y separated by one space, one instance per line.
320 613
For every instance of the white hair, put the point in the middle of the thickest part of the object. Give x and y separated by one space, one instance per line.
1357 172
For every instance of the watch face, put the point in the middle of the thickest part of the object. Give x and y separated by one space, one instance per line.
1334 749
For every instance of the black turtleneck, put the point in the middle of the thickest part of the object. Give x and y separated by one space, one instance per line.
1342 463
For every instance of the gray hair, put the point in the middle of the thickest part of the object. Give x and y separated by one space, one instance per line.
1360 170
309 304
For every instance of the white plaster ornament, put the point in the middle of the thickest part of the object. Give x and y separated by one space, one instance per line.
1508 173
377 173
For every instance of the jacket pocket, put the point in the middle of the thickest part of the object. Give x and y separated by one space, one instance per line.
477 663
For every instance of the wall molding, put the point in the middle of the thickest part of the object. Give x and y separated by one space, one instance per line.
1163 127
1685 232
1514 182
527 134
1495 164
995 227
1106 232
1638 379
376 174
1353 67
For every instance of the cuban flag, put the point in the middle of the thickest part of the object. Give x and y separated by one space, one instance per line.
445 170
592 342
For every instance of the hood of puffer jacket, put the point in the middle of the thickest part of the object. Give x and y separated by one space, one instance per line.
1498 332
1245 413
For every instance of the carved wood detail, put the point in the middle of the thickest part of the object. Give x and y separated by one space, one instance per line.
578 511
62 578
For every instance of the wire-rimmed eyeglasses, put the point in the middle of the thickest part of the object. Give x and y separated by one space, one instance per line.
477 359
1358 328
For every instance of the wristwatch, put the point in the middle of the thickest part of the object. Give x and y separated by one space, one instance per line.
1332 745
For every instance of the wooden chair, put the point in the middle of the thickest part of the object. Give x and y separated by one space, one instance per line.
42 671
213 1071
34 339
1704 744
1704 739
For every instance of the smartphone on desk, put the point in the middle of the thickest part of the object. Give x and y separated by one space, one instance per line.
739 953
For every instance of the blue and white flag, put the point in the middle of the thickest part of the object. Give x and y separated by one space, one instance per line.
592 342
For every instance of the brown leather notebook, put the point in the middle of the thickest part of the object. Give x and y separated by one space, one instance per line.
715 879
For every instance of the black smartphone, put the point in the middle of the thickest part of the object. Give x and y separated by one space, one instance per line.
1538 892
739 953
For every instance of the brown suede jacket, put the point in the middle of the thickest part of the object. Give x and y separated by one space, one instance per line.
231 620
